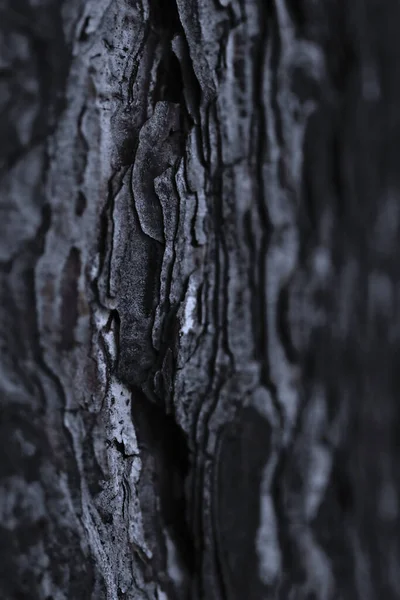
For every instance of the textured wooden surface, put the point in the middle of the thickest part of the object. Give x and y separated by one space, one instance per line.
199 299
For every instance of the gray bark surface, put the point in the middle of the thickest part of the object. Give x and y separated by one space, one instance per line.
199 322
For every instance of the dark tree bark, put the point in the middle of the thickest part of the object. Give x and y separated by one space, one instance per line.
199 315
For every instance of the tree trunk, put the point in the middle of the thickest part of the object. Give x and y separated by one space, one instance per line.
199 315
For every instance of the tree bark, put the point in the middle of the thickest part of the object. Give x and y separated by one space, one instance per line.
199 315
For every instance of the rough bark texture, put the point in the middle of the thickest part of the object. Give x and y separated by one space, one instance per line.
199 299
